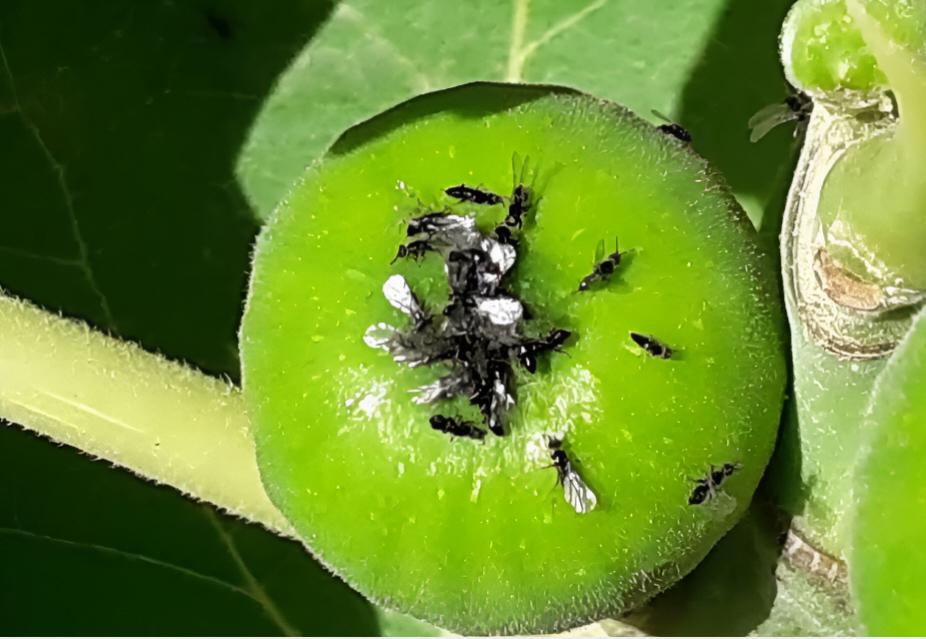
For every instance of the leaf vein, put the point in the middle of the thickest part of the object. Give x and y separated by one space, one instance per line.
132 556
515 49
252 585
83 254
560 27
29 255
422 81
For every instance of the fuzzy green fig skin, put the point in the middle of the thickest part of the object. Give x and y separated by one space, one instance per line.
476 537
823 51
885 569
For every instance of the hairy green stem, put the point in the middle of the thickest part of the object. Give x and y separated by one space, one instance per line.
163 421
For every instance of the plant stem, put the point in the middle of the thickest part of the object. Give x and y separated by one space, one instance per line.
905 73
163 421
874 198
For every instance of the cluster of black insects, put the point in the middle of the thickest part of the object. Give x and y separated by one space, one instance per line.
481 334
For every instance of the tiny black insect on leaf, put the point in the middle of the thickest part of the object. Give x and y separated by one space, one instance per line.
795 108
575 491
414 250
478 334
457 427
471 194
504 235
519 205
528 351
706 487
676 130
699 494
604 268
651 345
673 128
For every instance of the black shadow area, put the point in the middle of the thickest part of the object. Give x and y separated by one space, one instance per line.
732 590
739 72
120 125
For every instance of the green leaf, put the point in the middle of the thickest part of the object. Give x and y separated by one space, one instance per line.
120 124
887 567
709 63
87 550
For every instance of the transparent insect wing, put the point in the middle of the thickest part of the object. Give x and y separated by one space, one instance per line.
454 227
428 393
660 115
412 358
599 251
720 504
516 176
502 398
489 281
768 118
503 256
577 493
399 294
444 388
459 222
381 336
501 311
459 236
451 230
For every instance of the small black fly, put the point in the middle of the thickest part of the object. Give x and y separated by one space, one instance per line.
419 347
528 351
428 223
604 268
706 487
477 335
476 196
800 105
503 235
676 130
457 427
415 250
466 271
651 345
519 205
673 128
492 396
521 195
575 491
795 108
